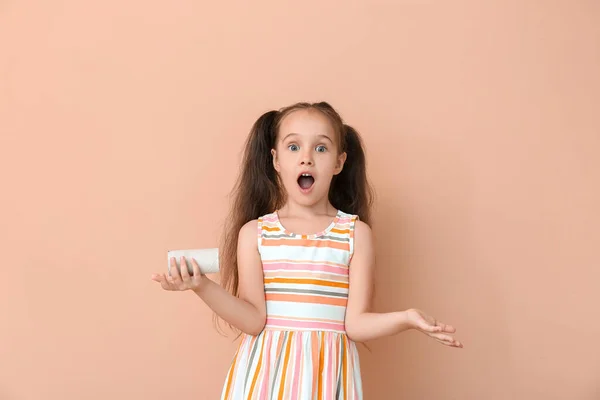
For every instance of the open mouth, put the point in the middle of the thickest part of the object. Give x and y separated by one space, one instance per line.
306 181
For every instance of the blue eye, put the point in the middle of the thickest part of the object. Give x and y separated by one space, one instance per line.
293 147
321 147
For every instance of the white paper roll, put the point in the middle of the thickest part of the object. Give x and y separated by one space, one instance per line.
207 259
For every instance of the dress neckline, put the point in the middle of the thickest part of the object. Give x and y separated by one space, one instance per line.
309 235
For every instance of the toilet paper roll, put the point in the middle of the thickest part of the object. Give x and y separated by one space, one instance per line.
207 259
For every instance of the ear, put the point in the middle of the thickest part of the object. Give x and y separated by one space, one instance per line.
275 160
339 166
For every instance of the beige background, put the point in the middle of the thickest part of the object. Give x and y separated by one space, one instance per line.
121 125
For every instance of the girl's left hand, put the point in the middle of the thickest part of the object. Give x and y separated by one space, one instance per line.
431 327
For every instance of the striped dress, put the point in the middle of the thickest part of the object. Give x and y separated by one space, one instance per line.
303 352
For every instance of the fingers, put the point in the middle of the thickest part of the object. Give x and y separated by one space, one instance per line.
175 276
196 268
164 281
424 322
437 330
430 324
172 266
185 274
179 277
454 343
167 284
430 327
442 337
446 339
446 328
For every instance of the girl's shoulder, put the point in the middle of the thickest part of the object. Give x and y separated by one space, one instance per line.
267 219
345 218
354 223
345 215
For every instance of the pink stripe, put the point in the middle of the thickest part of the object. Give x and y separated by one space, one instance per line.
310 267
266 363
305 324
297 371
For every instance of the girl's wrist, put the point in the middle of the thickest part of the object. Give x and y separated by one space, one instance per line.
201 286
410 324
403 322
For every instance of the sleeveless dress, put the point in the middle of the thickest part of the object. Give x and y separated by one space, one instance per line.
303 353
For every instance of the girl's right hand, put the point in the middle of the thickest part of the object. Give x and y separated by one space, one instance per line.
184 281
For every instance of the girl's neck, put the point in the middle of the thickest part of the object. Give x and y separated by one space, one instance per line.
291 209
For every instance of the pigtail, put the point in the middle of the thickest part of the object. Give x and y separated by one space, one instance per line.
255 193
257 189
350 190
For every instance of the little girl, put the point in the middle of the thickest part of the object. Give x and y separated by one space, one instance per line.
297 263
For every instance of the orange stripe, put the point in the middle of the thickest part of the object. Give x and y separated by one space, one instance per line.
340 231
303 298
271 229
285 365
233 366
258 365
340 277
298 281
320 390
307 243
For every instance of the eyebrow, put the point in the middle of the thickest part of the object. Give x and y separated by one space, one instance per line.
296 134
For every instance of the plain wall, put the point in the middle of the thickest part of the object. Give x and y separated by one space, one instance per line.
121 130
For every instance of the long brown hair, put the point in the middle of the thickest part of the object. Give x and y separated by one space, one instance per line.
258 190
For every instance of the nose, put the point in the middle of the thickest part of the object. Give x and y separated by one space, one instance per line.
306 158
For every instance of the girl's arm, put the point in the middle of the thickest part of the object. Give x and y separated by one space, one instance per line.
362 324
248 311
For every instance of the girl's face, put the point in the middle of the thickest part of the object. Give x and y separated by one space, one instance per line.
306 155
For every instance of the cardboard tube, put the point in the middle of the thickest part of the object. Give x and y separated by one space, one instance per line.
207 259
